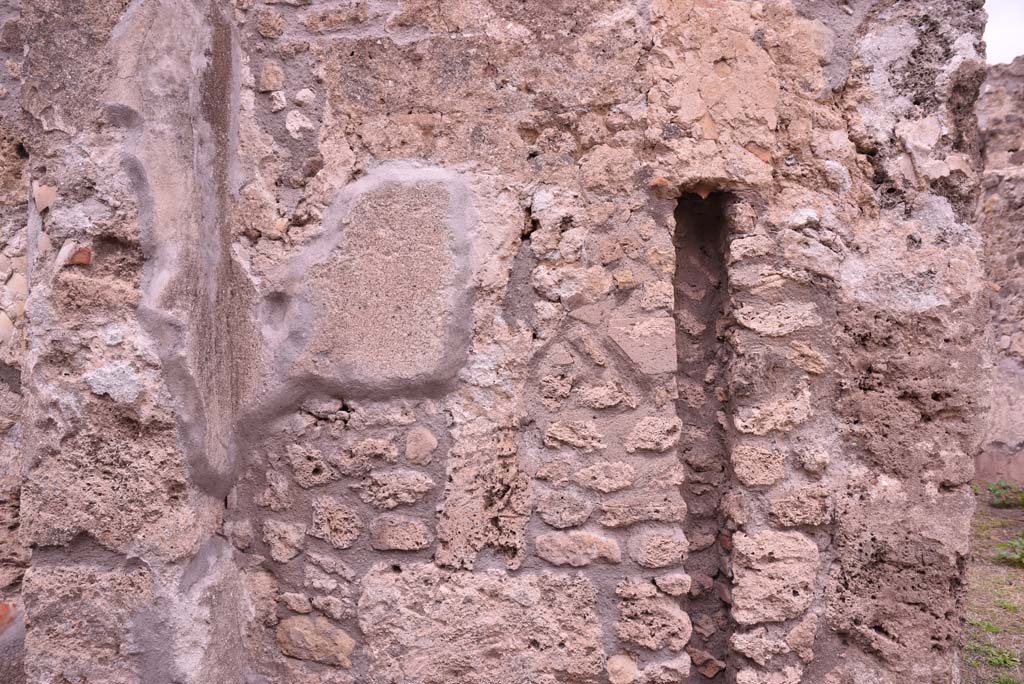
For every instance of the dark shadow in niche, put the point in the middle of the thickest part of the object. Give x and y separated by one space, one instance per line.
700 285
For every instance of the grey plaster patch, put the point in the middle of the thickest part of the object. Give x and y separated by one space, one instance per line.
119 381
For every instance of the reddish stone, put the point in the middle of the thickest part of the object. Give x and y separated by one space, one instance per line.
80 257
6 614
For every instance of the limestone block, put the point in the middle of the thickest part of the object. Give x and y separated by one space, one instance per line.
811 505
650 342
758 645
604 395
656 294
118 380
774 576
749 247
315 638
606 477
284 539
780 413
757 466
801 638
298 124
673 671
89 611
776 320
390 532
334 607
420 444
654 433
295 602
121 484
387 489
309 467
674 583
577 548
374 448
486 501
380 302
629 509
582 435
422 625
554 388
621 669
562 509
651 620
658 548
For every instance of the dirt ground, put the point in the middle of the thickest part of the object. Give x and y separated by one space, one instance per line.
994 637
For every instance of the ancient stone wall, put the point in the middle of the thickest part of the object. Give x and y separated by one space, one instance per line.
476 341
1001 222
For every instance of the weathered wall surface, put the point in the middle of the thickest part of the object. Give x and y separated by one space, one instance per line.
486 341
1001 221
14 190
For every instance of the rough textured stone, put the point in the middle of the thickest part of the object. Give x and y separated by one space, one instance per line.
377 320
780 319
673 671
562 509
390 532
757 466
335 523
774 575
758 646
90 609
652 621
629 509
579 434
315 638
621 669
674 584
420 444
810 505
297 603
366 450
543 624
284 539
604 396
776 414
577 548
658 548
390 488
653 433
801 638
309 466
606 477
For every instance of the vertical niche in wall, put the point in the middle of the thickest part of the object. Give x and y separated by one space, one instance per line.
701 230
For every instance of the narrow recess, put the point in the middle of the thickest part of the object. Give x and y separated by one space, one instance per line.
700 301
